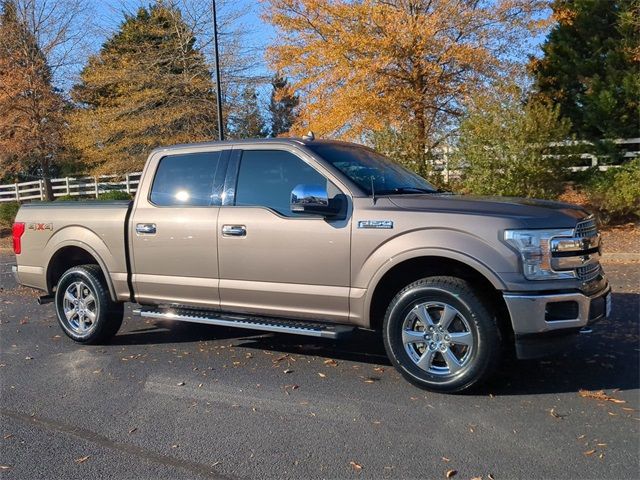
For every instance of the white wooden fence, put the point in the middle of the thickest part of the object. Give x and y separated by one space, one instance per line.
70 186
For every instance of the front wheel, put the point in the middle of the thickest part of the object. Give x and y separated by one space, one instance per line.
84 309
440 336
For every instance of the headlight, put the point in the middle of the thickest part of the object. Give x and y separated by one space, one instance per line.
533 246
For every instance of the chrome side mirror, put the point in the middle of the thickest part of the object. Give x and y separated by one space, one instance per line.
312 199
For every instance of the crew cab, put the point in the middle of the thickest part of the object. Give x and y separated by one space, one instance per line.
318 237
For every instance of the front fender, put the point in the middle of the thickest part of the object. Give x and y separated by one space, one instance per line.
473 251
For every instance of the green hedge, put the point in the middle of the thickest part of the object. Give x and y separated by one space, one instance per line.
114 195
8 211
615 194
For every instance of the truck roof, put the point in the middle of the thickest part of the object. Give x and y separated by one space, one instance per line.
253 141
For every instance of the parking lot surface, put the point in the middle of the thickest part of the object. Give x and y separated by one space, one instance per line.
167 400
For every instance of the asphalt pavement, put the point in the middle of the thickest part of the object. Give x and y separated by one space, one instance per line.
171 400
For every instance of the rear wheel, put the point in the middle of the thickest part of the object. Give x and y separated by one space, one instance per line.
440 336
84 309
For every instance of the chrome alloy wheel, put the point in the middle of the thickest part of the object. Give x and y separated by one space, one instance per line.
80 308
437 338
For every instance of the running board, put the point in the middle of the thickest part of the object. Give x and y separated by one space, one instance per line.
297 327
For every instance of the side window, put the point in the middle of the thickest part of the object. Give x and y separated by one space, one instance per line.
267 177
186 180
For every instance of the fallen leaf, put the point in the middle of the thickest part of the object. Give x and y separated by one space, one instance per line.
378 369
601 444
288 370
554 414
590 452
599 395
450 473
5 467
174 446
28 358
490 477
612 414
476 478
82 459
356 466
24 321
331 362
8 436
446 459
133 430
322 375
180 384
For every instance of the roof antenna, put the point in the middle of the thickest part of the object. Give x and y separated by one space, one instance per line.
309 136
373 190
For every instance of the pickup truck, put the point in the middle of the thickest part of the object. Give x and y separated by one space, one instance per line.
319 237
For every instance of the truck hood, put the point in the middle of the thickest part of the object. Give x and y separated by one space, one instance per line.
529 213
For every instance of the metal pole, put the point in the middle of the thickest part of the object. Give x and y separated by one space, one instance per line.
217 61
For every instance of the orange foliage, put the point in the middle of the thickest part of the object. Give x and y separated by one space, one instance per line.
365 65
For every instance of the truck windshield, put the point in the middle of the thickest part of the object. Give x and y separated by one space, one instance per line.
366 167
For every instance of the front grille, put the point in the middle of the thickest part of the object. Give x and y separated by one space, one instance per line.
587 228
588 272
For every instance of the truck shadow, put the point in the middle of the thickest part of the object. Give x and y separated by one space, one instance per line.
606 359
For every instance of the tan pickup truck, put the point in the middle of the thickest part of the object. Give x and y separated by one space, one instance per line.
318 238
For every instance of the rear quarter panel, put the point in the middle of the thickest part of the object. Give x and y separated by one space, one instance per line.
97 227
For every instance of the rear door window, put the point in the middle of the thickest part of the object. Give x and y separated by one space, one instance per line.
187 180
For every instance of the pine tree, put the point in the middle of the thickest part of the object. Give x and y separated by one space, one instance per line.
247 120
31 111
282 105
590 67
148 86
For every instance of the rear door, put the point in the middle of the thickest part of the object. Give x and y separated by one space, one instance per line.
273 261
173 229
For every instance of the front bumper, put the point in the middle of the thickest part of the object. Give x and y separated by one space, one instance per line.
543 323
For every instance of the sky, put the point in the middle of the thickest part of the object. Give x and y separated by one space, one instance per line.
105 16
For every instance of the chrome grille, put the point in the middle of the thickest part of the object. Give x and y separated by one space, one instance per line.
587 228
588 272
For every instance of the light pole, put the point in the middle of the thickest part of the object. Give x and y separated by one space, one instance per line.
217 62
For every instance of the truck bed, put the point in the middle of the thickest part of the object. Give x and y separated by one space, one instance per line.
96 226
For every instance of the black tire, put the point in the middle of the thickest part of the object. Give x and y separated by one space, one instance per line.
466 364
101 317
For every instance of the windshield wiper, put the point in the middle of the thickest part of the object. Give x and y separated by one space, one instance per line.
401 190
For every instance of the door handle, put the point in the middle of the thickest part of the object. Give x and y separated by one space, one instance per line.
234 231
146 228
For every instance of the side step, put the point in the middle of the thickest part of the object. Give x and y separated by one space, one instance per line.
298 327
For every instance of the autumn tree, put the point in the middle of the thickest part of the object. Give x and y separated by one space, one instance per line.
246 120
31 111
148 86
506 145
371 64
590 66
282 105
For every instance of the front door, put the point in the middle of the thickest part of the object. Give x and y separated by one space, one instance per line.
276 262
173 230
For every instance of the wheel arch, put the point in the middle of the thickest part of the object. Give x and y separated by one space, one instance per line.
398 274
72 254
